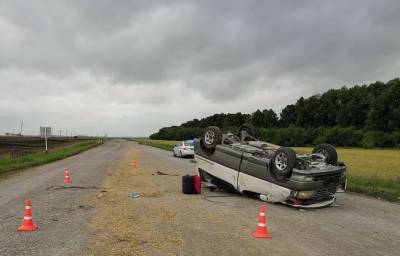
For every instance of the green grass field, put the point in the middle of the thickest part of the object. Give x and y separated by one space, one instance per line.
374 172
9 165
163 144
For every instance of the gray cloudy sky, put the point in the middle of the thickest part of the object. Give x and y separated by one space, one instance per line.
132 67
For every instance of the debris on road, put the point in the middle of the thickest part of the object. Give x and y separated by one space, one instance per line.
191 184
167 174
133 195
187 184
207 198
71 187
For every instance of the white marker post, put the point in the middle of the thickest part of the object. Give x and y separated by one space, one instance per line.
45 137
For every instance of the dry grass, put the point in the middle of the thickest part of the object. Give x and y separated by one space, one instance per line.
378 163
126 226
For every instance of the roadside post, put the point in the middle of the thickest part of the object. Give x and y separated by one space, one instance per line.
45 138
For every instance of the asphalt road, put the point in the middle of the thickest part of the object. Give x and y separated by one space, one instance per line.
213 223
61 214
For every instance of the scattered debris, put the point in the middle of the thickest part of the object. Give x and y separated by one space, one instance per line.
71 187
85 207
152 194
206 184
133 195
101 193
163 173
207 198
193 161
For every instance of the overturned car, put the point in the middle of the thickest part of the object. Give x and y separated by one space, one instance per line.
244 164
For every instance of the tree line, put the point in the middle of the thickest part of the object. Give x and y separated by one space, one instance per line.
361 116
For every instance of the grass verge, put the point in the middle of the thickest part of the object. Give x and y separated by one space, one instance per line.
374 172
8 165
163 144
386 189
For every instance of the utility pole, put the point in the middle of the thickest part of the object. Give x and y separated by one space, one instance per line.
20 131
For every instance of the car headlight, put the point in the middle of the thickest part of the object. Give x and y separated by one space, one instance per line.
305 194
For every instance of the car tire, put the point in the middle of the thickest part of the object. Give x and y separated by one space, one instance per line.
283 162
249 128
180 154
212 136
328 151
173 153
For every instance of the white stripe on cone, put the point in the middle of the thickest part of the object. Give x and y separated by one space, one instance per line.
261 225
27 218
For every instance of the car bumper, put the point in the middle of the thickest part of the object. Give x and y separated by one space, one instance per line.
187 152
313 205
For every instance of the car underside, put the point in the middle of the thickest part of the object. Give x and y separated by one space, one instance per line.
244 164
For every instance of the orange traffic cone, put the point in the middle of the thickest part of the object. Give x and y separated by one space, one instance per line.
262 230
67 178
28 224
133 164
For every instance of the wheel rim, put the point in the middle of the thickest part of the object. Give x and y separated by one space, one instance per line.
281 161
323 153
209 137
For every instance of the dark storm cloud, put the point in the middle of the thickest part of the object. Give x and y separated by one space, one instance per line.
142 41
216 49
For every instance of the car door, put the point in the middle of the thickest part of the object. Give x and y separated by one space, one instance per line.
253 173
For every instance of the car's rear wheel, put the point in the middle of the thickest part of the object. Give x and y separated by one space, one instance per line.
328 151
212 136
249 128
283 162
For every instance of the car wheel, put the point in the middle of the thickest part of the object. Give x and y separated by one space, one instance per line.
249 128
212 136
283 162
173 153
328 151
180 154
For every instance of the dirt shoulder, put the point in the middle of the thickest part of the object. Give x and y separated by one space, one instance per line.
163 221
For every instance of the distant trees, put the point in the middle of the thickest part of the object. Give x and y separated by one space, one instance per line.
367 115
373 107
